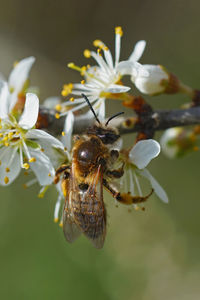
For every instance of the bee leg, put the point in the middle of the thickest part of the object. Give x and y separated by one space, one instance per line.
125 198
115 173
59 171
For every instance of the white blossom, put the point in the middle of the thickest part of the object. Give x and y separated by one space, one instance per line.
17 80
104 79
153 82
21 144
135 167
178 141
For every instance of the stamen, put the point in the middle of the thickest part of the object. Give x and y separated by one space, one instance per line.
43 191
26 166
57 116
87 53
71 99
63 133
58 107
118 30
82 81
67 89
6 180
7 170
32 159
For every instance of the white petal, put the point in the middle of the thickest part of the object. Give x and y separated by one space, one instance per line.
143 152
117 88
30 113
68 129
102 110
153 83
42 167
4 99
9 159
155 185
19 74
125 67
43 137
138 51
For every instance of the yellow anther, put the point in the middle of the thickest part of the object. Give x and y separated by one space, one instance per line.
71 99
15 63
65 149
97 43
5 138
137 208
88 66
0 162
32 159
56 220
26 166
10 135
57 116
1 135
105 48
49 174
118 30
6 180
11 89
71 65
58 107
67 89
87 53
63 133
83 69
0 126
6 144
42 149
61 224
7 170
82 81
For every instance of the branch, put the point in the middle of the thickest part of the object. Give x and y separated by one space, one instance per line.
155 121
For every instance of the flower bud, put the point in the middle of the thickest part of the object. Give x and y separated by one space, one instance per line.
176 142
155 81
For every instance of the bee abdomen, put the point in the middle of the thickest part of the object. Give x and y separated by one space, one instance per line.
91 223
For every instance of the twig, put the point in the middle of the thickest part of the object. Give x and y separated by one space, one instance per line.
156 120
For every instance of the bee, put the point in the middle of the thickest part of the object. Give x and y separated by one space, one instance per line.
90 170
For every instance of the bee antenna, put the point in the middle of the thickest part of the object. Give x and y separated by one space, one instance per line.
114 116
91 108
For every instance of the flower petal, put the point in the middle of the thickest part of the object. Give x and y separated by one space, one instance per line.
68 129
143 152
19 74
42 167
117 88
30 113
44 137
155 185
9 159
138 51
4 99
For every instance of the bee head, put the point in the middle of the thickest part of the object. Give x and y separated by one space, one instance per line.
106 135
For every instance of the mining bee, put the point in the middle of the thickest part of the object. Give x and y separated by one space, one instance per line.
91 170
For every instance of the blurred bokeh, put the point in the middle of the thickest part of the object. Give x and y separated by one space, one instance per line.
149 255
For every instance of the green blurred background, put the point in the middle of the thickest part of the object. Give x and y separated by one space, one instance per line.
149 255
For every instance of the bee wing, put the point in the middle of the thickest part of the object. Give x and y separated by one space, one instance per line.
92 216
70 228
